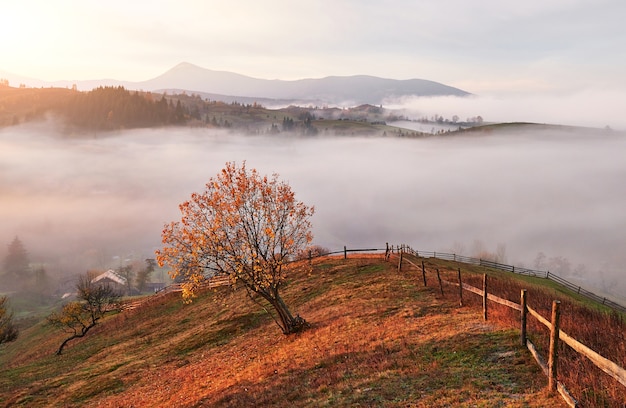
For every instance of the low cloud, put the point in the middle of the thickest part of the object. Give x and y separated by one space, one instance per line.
80 202
591 108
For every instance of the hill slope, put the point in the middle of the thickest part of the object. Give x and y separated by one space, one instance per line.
378 338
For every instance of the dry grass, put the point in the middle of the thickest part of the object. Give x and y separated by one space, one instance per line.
378 338
600 329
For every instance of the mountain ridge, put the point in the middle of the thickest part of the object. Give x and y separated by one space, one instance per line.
339 90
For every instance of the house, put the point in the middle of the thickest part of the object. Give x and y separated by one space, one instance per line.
113 279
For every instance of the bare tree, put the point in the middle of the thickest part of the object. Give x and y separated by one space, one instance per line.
243 226
128 274
78 317
144 274
8 331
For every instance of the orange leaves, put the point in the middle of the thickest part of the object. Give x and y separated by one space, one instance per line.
71 314
243 225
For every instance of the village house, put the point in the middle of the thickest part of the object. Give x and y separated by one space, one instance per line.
112 279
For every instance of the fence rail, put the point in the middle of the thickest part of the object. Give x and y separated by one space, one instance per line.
609 367
514 269
211 282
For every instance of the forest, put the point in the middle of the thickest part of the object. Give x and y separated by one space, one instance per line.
103 108
116 108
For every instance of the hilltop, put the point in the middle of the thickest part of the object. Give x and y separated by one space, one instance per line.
378 338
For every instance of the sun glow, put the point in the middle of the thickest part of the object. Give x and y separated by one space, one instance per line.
37 36
26 34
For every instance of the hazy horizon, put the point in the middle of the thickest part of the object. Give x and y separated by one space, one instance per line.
78 202
484 46
549 62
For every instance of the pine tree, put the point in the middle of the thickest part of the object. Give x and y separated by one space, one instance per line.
16 264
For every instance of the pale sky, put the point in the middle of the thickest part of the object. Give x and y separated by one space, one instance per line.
481 46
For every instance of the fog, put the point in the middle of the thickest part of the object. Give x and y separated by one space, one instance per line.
592 107
88 201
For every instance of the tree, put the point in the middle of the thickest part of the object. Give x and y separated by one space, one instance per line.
144 274
540 261
16 264
243 226
127 273
78 317
8 331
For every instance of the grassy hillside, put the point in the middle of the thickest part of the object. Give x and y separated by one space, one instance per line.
378 338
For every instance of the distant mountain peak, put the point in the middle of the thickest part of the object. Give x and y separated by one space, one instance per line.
185 64
332 90
346 90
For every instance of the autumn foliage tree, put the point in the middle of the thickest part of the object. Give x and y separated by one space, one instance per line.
76 318
243 226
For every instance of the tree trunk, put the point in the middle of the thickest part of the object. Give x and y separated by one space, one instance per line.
62 346
75 336
288 323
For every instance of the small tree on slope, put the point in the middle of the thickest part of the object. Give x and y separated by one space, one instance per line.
8 331
78 317
243 226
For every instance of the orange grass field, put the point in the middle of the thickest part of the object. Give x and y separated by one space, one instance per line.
378 338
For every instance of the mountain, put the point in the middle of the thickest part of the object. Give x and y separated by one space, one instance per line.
350 90
335 90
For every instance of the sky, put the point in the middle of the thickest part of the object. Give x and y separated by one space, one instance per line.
487 47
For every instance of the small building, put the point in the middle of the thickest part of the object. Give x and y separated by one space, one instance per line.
113 279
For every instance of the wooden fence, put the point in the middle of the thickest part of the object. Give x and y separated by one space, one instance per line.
556 335
212 282
514 269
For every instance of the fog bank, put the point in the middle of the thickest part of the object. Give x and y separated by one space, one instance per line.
84 202
591 108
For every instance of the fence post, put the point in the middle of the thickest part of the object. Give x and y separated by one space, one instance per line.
386 251
460 288
554 346
439 279
345 252
424 273
523 317
310 257
400 261
485 297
